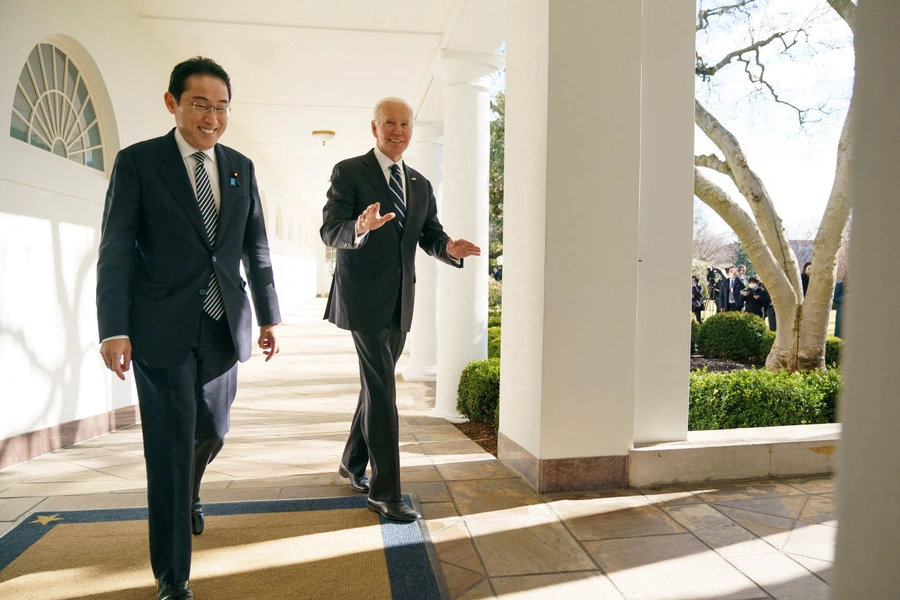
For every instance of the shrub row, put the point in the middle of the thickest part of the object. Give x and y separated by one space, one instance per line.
760 398
729 400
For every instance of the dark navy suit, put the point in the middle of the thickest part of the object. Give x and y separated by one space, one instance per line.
153 271
372 295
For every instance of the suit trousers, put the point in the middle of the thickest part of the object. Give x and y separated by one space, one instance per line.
374 433
184 419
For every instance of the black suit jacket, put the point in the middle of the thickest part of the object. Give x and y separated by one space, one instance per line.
368 278
155 258
725 291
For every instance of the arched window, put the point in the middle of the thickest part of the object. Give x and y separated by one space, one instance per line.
53 108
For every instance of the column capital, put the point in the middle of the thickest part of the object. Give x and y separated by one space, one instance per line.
468 68
428 132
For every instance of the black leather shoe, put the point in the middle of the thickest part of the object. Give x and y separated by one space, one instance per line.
395 511
174 591
358 483
197 522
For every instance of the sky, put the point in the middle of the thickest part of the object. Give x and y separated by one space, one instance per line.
795 163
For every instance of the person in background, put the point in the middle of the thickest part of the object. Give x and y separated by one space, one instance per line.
730 298
497 274
804 276
840 293
756 298
742 273
696 298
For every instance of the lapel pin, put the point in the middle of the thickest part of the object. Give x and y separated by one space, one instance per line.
234 180
413 178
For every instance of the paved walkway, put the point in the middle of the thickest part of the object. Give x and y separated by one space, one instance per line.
493 535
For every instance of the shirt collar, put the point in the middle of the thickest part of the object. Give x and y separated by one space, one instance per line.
187 150
384 162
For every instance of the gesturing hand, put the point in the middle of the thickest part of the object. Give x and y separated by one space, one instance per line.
462 248
370 219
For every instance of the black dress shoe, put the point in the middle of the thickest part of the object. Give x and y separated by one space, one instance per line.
174 591
358 483
197 522
395 511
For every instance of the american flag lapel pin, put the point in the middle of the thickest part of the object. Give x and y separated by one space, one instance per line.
413 178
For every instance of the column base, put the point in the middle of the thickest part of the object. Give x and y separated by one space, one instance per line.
449 415
563 474
411 373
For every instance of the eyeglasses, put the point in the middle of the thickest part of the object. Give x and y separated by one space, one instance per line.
221 111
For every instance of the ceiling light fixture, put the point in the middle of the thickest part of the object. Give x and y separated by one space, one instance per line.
323 135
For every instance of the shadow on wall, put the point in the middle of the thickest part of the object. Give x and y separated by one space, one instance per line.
48 330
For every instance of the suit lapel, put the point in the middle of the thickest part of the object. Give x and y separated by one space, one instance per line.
413 203
171 167
226 191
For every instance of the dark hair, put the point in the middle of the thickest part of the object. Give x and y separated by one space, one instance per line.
753 278
695 278
806 264
197 65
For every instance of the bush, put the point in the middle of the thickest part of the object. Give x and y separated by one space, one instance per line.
494 319
833 347
760 398
765 346
493 342
478 394
733 336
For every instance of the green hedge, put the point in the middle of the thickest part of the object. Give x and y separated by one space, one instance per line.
478 394
734 336
695 327
494 320
833 347
493 342
760 398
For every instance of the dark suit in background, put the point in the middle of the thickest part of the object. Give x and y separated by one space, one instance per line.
153 276
730 294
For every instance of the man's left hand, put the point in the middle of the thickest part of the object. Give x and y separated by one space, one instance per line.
462 248
268 341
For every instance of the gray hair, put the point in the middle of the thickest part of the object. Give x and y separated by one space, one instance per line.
379 107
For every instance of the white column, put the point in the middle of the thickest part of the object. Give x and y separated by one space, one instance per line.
665 229
868 538
422 366
462 293
572 179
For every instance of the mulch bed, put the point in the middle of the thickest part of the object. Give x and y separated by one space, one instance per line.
484 435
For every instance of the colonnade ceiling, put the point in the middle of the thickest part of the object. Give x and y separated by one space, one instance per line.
303 65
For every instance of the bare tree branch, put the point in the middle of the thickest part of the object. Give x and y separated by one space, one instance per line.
703 16
711 161
752 188
846 9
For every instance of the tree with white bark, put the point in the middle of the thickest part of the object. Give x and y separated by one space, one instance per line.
802 321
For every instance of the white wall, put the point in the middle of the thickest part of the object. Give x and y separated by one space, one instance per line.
51 208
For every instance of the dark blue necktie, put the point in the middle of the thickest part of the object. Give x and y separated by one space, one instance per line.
397 188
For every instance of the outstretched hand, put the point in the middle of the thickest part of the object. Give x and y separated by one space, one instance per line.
370 219
462 248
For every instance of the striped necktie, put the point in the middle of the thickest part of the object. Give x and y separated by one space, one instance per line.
212 304
397 188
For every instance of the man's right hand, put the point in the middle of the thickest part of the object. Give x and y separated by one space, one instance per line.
116 355
370 219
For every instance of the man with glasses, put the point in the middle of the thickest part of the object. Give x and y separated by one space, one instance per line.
182 212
